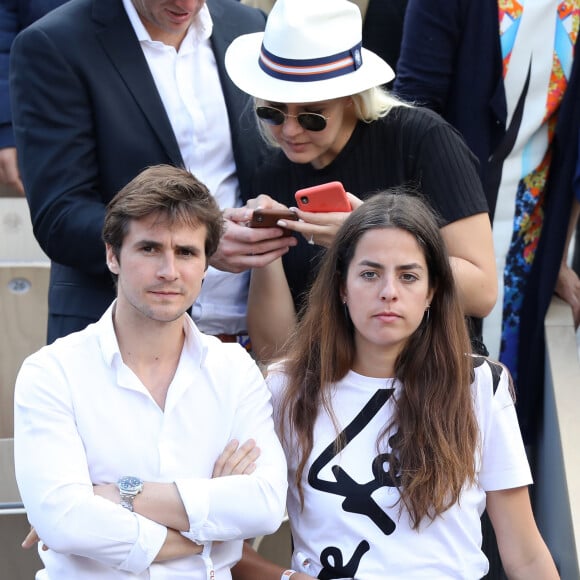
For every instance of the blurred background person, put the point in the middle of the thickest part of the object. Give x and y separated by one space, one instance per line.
15 15
504 74
102 89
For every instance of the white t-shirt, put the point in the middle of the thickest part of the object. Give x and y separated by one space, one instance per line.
350 527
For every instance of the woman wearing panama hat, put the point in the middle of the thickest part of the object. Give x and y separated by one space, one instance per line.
317 92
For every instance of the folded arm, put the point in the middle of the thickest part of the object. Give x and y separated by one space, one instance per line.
241 506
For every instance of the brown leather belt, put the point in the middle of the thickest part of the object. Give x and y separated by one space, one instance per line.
227 337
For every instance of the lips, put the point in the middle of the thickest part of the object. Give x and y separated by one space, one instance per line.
166 292
179 17
387 316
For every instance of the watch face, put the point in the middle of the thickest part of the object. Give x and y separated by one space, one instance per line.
130 484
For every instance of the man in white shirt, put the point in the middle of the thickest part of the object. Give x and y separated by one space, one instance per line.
118 426
102 89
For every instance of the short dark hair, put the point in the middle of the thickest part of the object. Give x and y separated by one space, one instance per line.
173 193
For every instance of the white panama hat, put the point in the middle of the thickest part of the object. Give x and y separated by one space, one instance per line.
310 51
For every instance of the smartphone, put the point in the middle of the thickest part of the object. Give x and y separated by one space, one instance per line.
323 198
267 218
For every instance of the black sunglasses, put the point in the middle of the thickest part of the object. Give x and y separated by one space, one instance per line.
308 121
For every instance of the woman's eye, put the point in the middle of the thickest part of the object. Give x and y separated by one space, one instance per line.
409 277
368 275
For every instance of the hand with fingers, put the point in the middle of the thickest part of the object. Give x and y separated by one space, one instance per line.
9 175
568 288
320 227
242 248
32 539
237 459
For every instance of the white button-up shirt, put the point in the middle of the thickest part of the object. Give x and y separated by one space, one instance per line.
82 417
190 89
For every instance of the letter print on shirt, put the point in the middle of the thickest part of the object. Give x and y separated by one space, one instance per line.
357 496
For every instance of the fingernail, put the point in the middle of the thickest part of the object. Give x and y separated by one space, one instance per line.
281 223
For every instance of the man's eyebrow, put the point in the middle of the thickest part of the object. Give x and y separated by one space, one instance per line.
192 249
143 243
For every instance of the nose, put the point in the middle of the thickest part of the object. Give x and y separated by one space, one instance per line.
167 267
291 126
388 290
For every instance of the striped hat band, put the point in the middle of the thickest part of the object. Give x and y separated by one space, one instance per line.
306 70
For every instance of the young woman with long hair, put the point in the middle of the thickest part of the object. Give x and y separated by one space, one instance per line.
397 437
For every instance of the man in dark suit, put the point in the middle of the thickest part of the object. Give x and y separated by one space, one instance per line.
94 102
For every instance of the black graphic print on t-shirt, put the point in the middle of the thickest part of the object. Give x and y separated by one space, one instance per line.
357 496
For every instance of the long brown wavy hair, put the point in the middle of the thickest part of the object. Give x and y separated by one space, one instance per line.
437 428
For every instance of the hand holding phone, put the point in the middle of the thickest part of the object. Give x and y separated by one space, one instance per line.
328 197
268 218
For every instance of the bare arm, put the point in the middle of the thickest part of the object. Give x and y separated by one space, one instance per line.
253 566
469 242
523 552
568 283
271 315
176 546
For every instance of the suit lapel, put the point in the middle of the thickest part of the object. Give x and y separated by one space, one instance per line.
238 103
119 42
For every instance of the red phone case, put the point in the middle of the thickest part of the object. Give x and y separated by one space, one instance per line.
327 197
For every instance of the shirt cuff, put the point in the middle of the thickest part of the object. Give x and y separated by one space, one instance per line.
150 539
195 497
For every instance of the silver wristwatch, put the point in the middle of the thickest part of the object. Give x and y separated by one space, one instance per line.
129 487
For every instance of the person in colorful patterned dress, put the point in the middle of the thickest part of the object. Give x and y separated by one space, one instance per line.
503 73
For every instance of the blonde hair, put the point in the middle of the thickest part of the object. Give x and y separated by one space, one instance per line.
369 105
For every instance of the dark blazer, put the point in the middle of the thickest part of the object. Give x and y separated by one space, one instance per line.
15 15
88 118
451 61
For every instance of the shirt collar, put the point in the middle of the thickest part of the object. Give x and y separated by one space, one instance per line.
200 29
195 343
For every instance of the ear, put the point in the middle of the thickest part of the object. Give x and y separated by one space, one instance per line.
430 297
112 262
